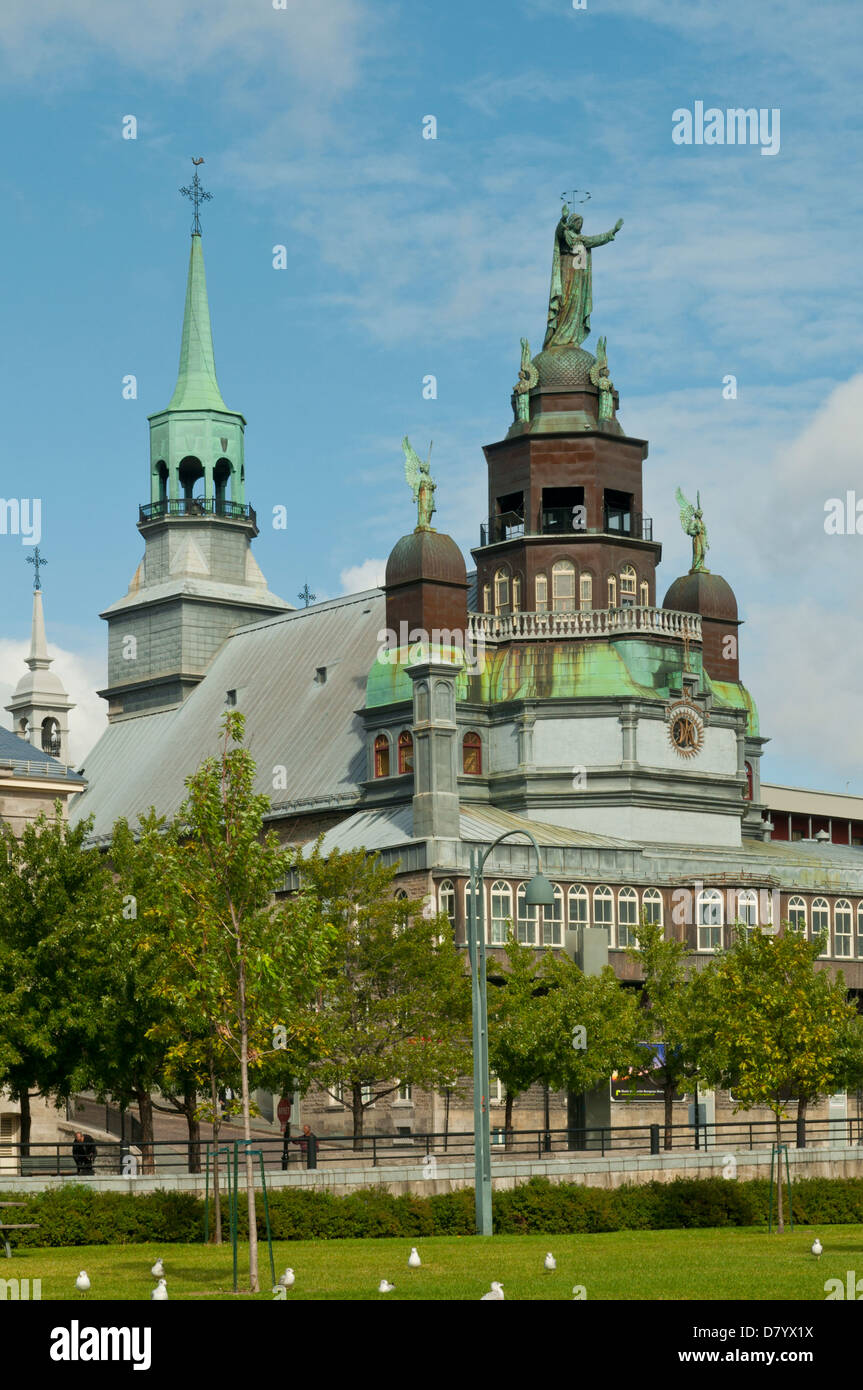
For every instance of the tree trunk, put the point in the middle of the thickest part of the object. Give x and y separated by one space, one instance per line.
194 1126
26 1122
507 1118
801 1121
668 1098
145 1112
358 1112
217 1124
254 1286
447 1095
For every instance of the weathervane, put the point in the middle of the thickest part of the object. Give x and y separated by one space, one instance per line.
197 195
36 560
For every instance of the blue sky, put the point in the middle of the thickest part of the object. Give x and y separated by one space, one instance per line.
408 257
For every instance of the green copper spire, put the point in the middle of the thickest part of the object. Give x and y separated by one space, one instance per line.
197 387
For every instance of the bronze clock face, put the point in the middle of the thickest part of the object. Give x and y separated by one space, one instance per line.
685 730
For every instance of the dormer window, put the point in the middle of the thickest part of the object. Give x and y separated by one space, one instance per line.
382 756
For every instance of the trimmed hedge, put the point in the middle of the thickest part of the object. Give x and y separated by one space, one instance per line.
81 1216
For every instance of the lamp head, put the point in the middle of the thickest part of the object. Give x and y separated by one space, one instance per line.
539 892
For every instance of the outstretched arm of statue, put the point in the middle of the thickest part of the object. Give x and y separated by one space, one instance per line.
603 237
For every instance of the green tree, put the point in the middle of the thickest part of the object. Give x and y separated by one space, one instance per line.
670 1013
395 1005
550 1024
54 894
774 1028
252 963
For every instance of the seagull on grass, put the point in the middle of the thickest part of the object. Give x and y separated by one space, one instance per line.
158 1269
160 1292
495 1294
414 1260
550 1262
385 1286
287 1279
82 1283
817 1247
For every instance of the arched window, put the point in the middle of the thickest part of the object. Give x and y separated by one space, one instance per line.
382 756
709 918
541 586
747 791
486 598
651 905
585 592
51 737
627 917
406 752
501 592
162 481
552 920
603 911
628 581
577 906
612 591
563 586
747 909
446 900
221 474
501 912
471 755
476 899
401 896
843 929
527 915
797 915
190 472
644 594
516 593
860 931
821 922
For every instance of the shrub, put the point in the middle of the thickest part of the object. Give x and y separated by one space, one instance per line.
78 1215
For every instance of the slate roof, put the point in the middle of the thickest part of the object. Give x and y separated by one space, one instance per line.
295 719
15 750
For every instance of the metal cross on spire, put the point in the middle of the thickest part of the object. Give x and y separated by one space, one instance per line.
306 594
197 195
36 560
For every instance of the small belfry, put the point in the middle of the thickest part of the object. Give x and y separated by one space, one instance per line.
40 706
198 579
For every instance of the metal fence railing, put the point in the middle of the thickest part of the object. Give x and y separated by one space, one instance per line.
104 1158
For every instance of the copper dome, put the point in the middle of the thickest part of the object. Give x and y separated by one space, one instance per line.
425 555
704 593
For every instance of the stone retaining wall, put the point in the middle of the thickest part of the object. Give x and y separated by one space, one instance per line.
613 1171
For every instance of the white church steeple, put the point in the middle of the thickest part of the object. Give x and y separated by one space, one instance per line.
40 706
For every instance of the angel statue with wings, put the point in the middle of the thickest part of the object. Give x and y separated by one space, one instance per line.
421 483
602 381
692 521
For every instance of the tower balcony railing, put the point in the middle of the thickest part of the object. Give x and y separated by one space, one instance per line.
196 506
592 622
560 521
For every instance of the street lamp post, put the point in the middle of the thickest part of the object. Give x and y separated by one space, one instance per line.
538 893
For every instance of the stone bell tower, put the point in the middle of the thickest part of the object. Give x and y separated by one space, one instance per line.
198 579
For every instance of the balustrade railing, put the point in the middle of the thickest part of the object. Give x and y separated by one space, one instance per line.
593 622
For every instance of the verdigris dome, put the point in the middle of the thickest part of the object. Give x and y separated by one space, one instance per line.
564 368
425 554
704 593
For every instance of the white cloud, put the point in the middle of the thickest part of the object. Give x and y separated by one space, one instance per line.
318 44
369 574
80 674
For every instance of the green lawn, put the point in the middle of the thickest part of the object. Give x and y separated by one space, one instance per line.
718 1264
